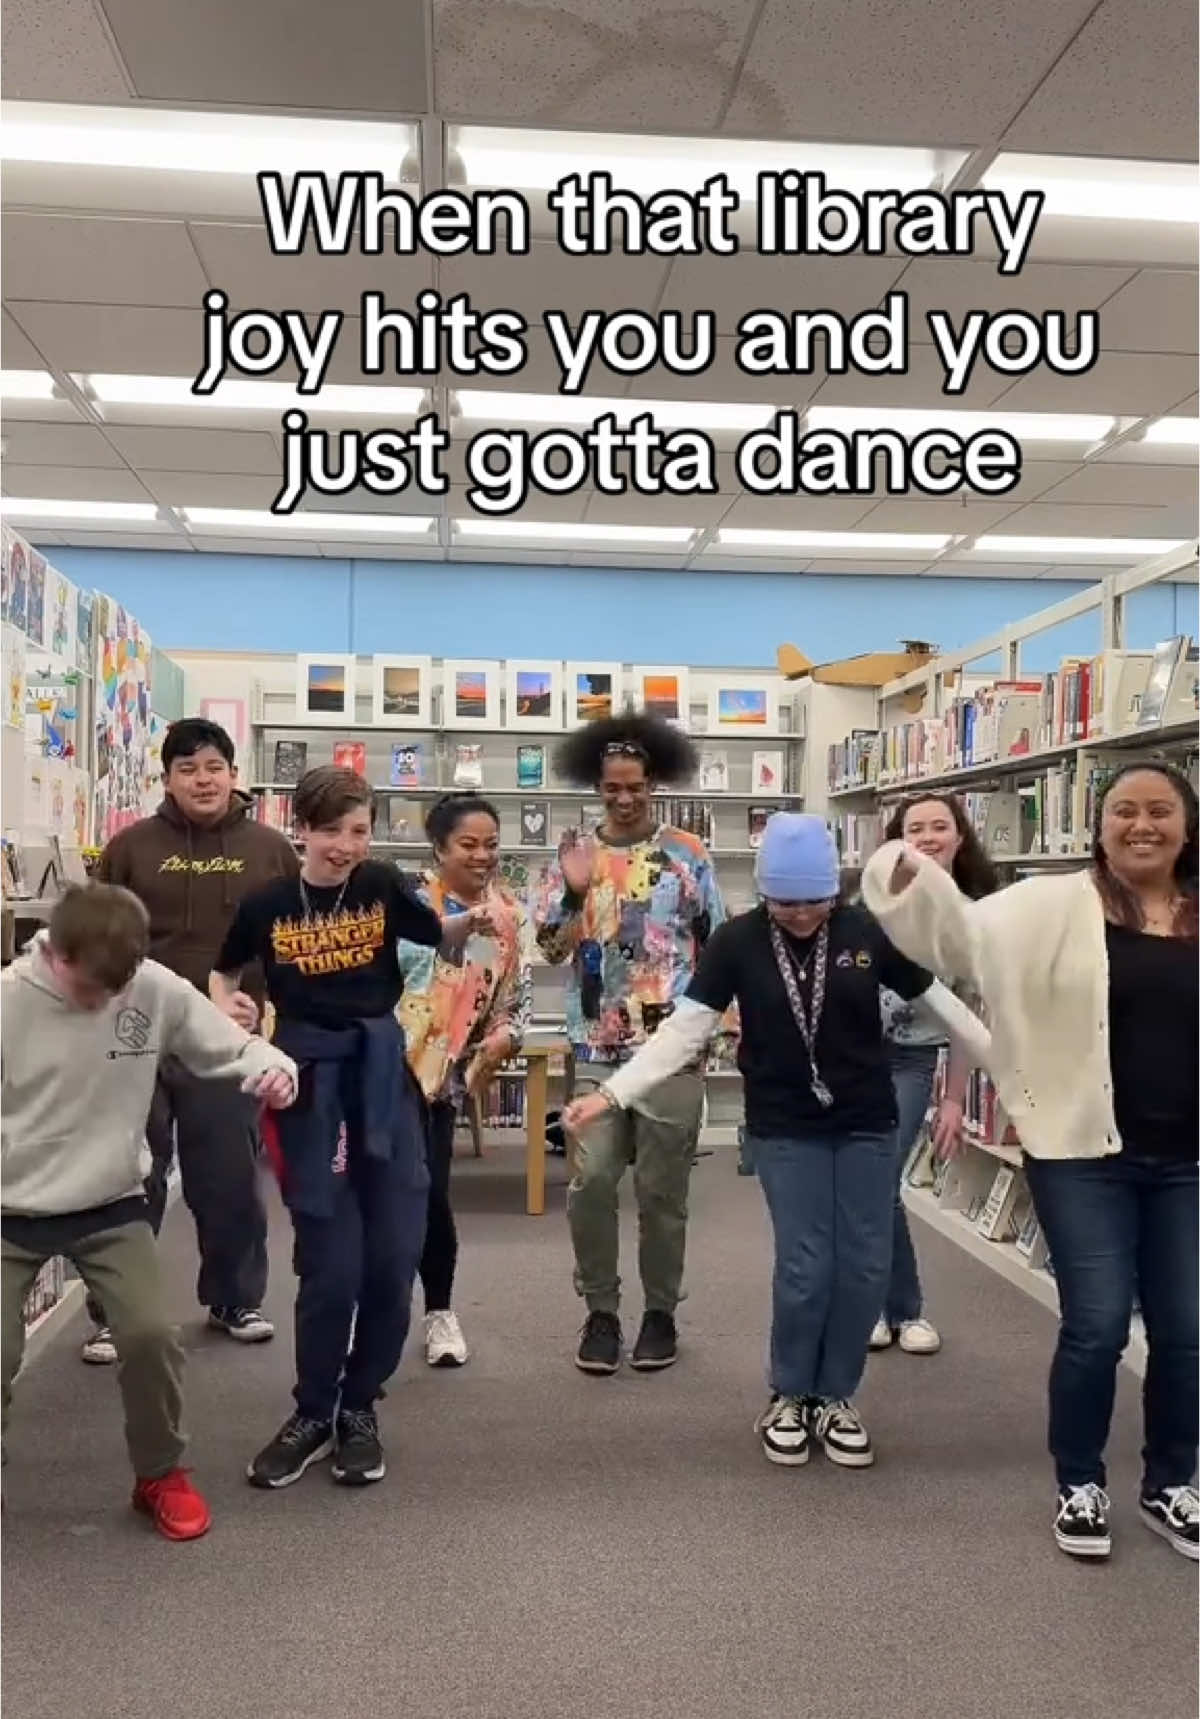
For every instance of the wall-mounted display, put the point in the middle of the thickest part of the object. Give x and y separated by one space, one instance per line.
533 694
402 692
743 706
663 691
593 691
470 694
325 689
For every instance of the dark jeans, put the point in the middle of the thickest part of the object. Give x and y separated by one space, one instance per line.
356 1272
1116 1226
440 1253
830 1198
214 1127
913 1069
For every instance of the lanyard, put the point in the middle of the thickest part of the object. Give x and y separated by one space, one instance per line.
791 976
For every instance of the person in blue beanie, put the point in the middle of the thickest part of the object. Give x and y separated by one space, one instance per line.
352 1155
806 972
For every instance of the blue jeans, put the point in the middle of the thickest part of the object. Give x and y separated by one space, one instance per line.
830 1198
1116 1226
913 1069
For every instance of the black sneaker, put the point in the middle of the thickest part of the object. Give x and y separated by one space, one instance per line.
783 1428
1174 1512
657 1344
243 1324
1081 1525
359 1457
838 1427
600 1344
299 1442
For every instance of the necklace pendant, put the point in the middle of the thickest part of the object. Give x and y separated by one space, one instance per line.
821 1092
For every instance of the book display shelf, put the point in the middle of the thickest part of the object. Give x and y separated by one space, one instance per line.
1028 755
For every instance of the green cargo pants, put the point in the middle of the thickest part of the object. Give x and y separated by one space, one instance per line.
659 1140
121 1269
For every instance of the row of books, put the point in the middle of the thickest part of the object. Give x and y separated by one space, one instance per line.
1087 698
49 1287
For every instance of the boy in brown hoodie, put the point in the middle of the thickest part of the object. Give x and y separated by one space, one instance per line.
190 865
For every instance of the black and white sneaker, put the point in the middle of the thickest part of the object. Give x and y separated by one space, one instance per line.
838 1427
599 1343
783 1429
243 1324
298 1443
358 1459
657 1342
1174 1512
1081 1525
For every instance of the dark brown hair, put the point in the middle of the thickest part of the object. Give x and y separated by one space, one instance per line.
327 793
1120 902
102 930
972 870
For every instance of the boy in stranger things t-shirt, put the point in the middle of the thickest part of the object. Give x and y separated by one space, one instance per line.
353 1157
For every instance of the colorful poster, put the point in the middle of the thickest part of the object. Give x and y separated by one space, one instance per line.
61 609
35 616
14 678
18 585
6 543
84 659
122 717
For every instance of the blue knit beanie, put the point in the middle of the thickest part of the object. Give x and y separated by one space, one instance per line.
798 859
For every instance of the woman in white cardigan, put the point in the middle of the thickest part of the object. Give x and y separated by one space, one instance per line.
1089 983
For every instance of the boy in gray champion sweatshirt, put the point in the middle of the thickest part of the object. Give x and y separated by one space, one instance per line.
85 1022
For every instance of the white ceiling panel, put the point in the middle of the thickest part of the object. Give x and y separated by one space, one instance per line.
168 448
59 50
255 546
695 511
723 380
238 259
919 514
72 483
1048 519
987 570
548 279
600 558
957 285
589 62
797 513
509 557
537 507
1125 383
202 489
897 71
80 260
920 385
1158 311
733 286
123 338
1145 486
64 445
1125 86
18 351
871 567
160 536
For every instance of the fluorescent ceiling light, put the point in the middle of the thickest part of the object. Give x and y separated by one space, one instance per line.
500 406
531 160
919 542
238 519
503 530
171 391
184 142
26 385
1024 426
1174 432
40 508
1083 548
1101 189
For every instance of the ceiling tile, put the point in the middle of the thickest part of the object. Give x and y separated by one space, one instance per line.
897 70
725 380
1124 383
254 546
640 558
198 489
1049 519
796 513
694 511
985 570
548 279
239 260
733 286
58 50
82 260
1125 86
538 507
609 63
122 338
27 444
919 514
920 385
275 53
1135 485
72 483
17 350
167 448
957 285
1158 311
121 537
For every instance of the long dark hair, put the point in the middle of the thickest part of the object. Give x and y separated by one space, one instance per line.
1119 900
447 813
972 870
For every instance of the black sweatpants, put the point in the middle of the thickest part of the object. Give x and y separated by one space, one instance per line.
440 1253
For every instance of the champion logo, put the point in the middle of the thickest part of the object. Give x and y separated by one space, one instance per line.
341 1154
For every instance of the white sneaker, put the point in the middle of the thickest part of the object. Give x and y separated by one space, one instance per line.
445 1345
919 1337
838 1426
881 1337
99 1350
783 1428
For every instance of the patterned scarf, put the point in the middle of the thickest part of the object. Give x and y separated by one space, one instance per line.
793 975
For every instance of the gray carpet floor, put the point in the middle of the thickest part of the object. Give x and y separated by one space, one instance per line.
548 1544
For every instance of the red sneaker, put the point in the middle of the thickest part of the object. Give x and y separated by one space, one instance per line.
178 1510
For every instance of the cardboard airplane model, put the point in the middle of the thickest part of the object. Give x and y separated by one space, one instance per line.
874 668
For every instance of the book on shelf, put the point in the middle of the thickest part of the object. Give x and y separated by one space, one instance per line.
695 816
535 823
756 822
291 761
351 755
854 761
1170 694
47 1290
275 810
591 816
468 766
714 772
531 766
995 1220
767 773
408 765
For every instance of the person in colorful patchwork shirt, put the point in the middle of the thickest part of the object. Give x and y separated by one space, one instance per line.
630 906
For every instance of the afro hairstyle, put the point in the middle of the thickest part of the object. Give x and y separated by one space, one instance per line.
670 758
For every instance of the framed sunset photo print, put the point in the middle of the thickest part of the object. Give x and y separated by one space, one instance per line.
325 689
593 692
745 705
663 691
533 695
470 694
401 692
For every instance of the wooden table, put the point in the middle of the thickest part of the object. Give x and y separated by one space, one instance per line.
537 1054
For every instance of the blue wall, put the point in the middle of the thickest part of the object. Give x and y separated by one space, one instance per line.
294 603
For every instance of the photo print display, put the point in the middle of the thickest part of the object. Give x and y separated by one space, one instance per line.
470 694
663 691
401 691
593 692
747 705
325 689
533 694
